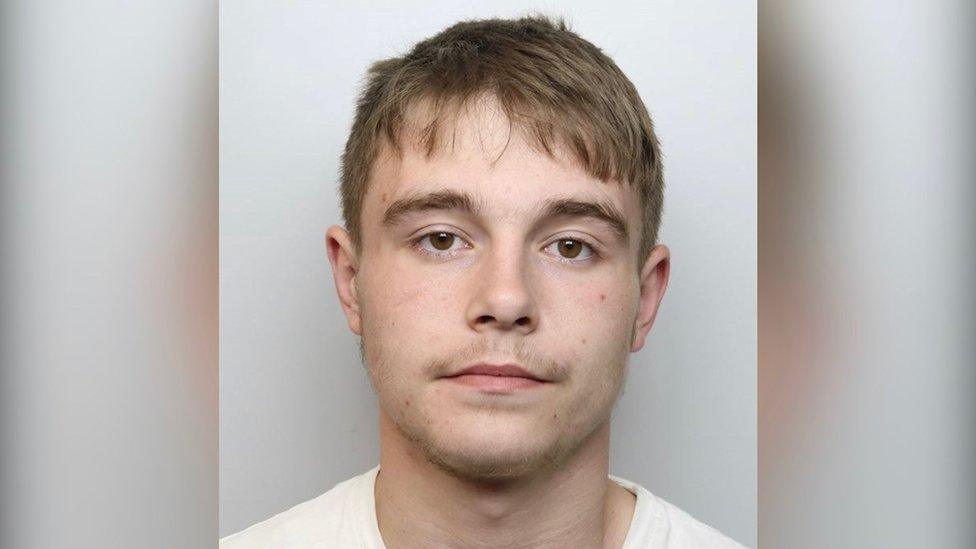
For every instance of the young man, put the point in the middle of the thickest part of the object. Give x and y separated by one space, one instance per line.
502 190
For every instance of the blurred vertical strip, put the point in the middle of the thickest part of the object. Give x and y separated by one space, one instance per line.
108 280
867 274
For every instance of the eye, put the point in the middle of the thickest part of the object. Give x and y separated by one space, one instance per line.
440 243
571 249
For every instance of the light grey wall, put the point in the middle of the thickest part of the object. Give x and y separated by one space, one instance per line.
296 411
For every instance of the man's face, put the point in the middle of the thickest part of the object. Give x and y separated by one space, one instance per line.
477 256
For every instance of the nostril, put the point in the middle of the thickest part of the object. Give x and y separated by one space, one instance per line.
522 321
484 319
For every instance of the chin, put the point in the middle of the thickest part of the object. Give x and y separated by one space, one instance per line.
486 461
492 468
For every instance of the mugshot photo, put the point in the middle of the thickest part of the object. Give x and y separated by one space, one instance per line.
488 275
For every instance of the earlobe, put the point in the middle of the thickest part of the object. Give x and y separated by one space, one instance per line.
653 283
345 271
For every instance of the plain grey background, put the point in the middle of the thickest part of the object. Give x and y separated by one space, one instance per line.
297 414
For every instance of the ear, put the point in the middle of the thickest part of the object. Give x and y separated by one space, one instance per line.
345 267
653 282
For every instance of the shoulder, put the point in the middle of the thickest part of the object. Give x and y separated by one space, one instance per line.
335 518
688 531
659 524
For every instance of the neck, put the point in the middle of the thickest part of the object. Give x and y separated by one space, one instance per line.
420 505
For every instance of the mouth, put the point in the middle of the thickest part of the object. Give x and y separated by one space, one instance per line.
497 378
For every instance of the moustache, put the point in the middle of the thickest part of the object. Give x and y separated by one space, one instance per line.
536 365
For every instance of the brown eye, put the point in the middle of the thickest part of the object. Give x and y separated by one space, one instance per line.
441 244
442 241
570 248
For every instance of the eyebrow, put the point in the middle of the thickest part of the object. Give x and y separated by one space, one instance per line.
600 210
438 200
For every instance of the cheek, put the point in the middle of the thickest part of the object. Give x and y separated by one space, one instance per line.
602 325
408 316
604 304
600 321
400 294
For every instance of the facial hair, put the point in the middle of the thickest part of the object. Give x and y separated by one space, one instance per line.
486 467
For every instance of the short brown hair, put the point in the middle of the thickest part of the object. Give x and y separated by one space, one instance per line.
555 86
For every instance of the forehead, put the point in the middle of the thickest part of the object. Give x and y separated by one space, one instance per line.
480 153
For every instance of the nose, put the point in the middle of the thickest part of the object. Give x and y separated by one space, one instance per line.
503 298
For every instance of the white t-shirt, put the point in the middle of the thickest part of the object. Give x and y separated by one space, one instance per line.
345 516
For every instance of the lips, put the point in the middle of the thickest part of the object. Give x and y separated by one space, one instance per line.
498 370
